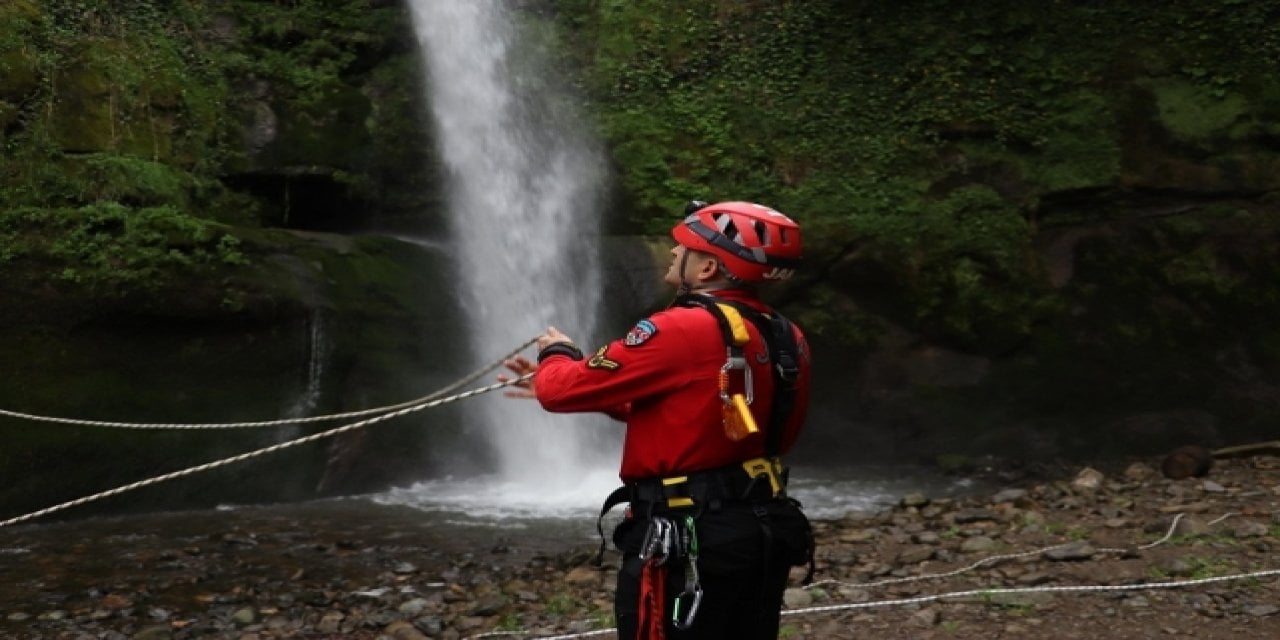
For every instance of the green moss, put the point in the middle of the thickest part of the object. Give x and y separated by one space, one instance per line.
1195 111
109 250
1080 148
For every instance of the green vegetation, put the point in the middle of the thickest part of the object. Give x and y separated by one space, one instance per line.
926 135
123 119
1080 197
107 245
1199 569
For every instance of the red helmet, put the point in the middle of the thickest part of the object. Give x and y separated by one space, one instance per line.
753 242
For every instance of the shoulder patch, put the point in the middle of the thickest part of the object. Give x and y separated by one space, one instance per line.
601 361
640 333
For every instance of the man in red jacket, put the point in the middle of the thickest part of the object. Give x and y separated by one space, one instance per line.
713 390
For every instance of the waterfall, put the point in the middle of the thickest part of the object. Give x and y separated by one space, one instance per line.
318 349
524 183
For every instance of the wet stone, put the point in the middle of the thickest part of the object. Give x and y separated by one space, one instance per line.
153 633
914 500
1009 495
915 555
1261 610
1249 529
430 625
977 544
1072 552
967 516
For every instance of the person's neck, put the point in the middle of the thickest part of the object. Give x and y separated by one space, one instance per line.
711 289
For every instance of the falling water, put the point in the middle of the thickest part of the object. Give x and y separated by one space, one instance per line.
524 184
318 349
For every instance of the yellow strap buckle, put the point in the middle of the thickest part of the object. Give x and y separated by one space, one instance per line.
769 467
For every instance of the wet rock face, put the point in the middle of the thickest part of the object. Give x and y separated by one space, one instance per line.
332 324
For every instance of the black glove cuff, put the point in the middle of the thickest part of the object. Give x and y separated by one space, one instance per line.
560 349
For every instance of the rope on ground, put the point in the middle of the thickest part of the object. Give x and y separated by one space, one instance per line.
473 376
953 595
260 452
982 593
991 560
1052 589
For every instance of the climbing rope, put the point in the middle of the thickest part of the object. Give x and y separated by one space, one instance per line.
473 376
991 560
261 452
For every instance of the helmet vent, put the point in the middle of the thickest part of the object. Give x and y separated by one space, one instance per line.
762 232
730 230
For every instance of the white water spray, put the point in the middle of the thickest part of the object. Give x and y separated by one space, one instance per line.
318 349
524 183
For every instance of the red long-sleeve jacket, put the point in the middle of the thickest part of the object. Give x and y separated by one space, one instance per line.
663 380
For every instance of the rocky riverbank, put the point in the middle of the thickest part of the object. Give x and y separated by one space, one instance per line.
323 572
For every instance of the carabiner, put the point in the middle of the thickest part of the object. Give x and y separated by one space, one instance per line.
687 621
657 540
736 363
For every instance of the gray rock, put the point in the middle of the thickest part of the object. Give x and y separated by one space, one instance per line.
925 618
330 622
156 632
244 617
1009 495
977 544
430 625
1072 552
1261 610
797 598
915 555
412 607
1249 529
914 500
966 516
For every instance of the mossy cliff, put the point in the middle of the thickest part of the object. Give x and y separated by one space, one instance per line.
1033 228
173 174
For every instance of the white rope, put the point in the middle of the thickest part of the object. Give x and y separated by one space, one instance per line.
990 560
963 594
1052 589
944 596
268 423
260 452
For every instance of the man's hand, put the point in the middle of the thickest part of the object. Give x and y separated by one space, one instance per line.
551 337
520 366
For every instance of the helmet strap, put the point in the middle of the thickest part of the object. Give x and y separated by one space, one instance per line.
684 287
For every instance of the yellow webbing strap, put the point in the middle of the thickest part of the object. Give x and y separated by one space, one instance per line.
739 328
676 502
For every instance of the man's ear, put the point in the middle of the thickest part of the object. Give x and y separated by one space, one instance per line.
708 268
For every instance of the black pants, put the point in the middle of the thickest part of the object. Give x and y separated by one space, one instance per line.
746 552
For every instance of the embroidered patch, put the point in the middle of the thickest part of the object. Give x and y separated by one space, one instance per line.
601 361
640 333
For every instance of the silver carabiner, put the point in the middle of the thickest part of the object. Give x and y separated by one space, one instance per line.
687 620
737 363
657 540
